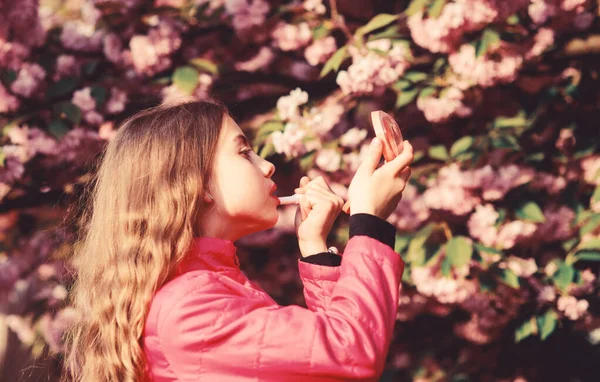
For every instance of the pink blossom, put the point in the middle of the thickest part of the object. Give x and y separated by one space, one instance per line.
552 184
117 101
291 37
571 307
113 48
591 169
411 211
481 224
262 60
107 131
151 54
547 294
353 137
586 286
12 54
247 14
540 11
287 106
557 225
322 119
514 232
441 109
583 20
290 141
320 50
84 100
453 199
506 178
370 71
485 71
66 65
328 160
446 290
81 36
28 80
21 327
314 6
570 5
543 39
522 267
93 117
8 103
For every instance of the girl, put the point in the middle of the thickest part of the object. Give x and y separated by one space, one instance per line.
158 281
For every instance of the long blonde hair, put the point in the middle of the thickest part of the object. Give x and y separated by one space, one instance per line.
141 220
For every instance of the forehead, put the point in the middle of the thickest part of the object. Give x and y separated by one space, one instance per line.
231 133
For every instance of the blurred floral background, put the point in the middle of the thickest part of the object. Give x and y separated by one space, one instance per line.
499 226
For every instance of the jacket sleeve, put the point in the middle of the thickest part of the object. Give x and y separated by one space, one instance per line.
348 339
320 272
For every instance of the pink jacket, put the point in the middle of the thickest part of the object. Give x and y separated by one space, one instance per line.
210 323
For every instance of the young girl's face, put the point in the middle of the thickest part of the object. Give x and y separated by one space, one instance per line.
241 187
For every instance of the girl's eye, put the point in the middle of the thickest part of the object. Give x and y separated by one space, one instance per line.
246 152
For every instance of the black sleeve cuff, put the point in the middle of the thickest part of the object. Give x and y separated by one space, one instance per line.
374 227
360 224
323 258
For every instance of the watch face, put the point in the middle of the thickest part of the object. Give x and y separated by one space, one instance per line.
389 132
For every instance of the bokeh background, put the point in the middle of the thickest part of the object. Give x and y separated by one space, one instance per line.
499 226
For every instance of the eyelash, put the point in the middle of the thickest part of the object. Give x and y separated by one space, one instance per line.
246 152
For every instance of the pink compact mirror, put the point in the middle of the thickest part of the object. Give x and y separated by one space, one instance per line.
389 132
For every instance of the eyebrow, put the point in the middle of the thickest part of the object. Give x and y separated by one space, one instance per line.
241 138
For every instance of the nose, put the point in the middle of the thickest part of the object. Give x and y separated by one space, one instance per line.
268 168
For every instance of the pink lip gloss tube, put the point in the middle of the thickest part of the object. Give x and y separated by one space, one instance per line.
294 199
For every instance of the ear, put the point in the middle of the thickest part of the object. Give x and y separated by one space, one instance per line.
207 198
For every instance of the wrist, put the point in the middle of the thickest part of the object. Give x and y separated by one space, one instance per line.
311 248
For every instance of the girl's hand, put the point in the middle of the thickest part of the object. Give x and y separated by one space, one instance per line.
377 191
318 209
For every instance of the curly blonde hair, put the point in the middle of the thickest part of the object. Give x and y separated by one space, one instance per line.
145 201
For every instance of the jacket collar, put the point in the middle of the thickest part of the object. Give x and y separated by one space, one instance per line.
210 253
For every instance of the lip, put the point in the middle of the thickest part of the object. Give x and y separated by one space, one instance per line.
276 199
273 189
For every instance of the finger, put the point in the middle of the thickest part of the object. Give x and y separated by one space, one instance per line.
326 195
405 173
401 161
346 207
304 181
372 160
322 182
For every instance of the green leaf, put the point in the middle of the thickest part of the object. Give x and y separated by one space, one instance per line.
461 146
376 22
439 64
8 76
99 94
61 88
439 152
483 248
267 150
69 111
569 244
391 32
308 160
416 250
509 278
512 19
530 211
401 242
446 267
509 122
591 225
459 251
489 38
415 77
91 67
58 128
205 65
436 8
266 130
590 244
320 31
335 61
547 323
506 142
563 276
186 79
525 330
416 6
535 157
401 85
427 91
406 97
596 195
588 256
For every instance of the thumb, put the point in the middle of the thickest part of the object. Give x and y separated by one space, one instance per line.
372 160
